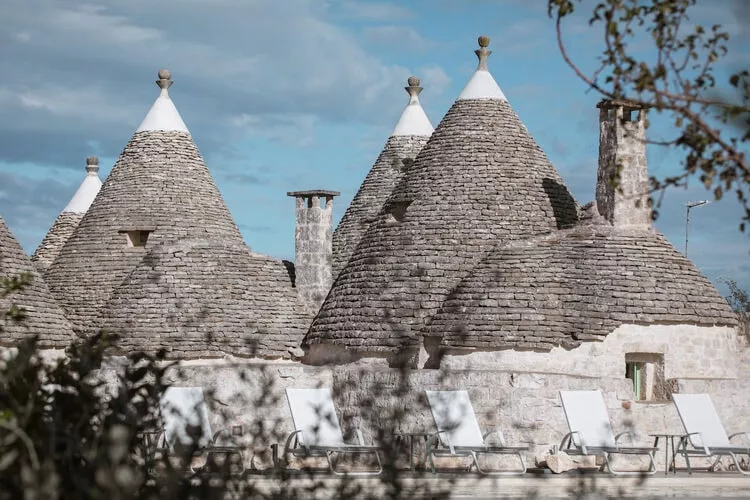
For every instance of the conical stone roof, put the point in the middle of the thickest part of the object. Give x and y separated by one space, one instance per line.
481 179
159 191
203 298
70 217
576 285
43 316
409 136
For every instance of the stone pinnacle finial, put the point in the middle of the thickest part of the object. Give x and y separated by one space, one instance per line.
413 88
92 165
164 81
483 52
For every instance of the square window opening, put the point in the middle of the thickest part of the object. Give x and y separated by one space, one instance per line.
137 238
646 371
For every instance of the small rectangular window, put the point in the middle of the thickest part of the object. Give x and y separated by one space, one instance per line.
136 238
646 371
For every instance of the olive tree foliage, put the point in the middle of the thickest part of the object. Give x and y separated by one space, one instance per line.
63 435
82 425
677 77
739 300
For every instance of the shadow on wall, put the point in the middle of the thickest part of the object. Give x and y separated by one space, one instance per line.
564 207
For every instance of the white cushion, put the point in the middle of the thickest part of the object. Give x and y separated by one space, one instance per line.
698 414
183 406
314 413
455 416
587 415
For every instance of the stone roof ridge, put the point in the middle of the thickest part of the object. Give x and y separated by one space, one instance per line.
163 115
413 120
482 85
87 191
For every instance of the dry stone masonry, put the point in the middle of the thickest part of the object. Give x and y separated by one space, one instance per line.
206 299
480 179
312 242
472 263
55 239
567 287
622 188
159 185
44 317
69 218
408 137
158 258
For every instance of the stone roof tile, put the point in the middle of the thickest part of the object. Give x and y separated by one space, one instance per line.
480 178
68 220
408 137
159 184
204 298
576 285
44 317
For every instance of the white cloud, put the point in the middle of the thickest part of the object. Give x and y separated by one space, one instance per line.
292 130
63 103
404 37
373 11
434 79
93 23
286 58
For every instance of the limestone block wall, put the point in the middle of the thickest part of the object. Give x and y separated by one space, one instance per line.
524 405
688 352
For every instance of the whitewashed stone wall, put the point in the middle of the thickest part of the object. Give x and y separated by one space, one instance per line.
524 405
689 352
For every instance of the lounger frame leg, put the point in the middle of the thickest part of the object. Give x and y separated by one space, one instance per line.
651 468
737 464
330 453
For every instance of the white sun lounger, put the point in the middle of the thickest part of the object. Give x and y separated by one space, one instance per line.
183 408
459 432
705 433
317 432
591 433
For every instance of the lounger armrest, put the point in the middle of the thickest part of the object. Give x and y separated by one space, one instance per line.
568 438
744 433
498 433
686 439
293 437
154 441
624 433
447 440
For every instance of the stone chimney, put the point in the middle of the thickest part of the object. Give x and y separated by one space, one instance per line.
312 244
622 187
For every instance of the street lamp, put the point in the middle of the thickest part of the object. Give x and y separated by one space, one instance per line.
689 205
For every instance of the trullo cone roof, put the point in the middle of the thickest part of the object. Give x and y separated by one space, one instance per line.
159 260
43 316
70 217
480 179
409 136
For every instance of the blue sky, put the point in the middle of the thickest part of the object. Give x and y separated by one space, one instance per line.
302 94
